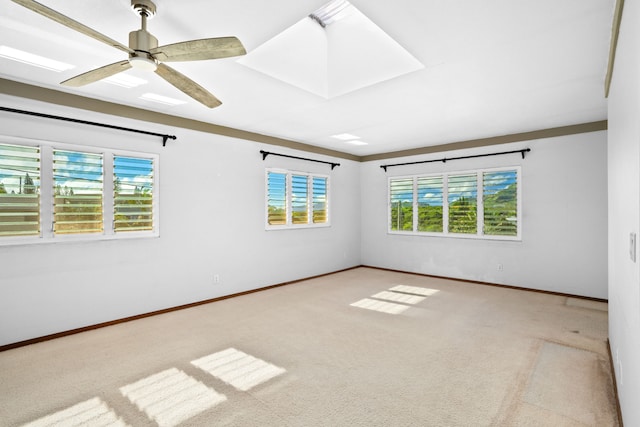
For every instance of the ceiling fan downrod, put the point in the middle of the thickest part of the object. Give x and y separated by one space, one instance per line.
142 41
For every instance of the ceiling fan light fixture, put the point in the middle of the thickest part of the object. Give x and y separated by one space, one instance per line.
142 62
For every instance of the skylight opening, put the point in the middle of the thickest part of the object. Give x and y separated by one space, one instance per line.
165 100
338 51
357 142
34 60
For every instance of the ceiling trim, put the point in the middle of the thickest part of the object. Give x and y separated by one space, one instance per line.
615 32
495 140
24 90
52 96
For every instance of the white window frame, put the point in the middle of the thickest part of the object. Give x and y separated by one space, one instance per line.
445 207
46 234
288 190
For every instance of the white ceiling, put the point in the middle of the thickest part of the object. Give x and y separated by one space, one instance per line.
492 67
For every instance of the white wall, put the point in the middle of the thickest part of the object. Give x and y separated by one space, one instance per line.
564 234
624 214
211 222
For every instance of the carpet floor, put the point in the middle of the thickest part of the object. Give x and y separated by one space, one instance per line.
363 347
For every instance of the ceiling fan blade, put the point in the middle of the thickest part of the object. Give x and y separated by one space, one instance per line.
97 74
187 86
68 22
197 50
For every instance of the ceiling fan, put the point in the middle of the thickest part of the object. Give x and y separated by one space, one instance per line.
144 52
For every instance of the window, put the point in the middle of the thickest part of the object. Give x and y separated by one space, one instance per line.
462 203
450 204
320 200
276 198
299 199
57 191
402 204
500 202
430 203
296 199
77 196
19 190
132 194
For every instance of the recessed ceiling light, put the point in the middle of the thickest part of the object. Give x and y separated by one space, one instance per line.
35 60
125 80
357 142
161 99
344 136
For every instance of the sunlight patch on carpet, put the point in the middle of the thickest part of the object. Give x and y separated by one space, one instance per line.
414 290
92 412
171 396
381 306
399 297
237 368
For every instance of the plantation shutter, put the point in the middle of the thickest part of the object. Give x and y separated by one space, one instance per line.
500 200
299 199
320 212
132 194
19 190
430 202
401 204
463 191
77 180
276 198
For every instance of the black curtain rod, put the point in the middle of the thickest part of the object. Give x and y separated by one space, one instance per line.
67 119
266 153
444 160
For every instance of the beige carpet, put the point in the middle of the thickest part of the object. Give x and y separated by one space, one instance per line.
363 347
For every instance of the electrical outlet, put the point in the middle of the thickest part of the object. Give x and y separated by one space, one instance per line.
500 267
632 246
216 278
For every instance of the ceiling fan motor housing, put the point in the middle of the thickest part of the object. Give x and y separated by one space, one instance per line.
141 41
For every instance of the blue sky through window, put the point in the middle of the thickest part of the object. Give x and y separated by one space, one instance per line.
15 163
77 171
133 174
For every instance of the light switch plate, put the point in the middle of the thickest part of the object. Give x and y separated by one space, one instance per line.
632 246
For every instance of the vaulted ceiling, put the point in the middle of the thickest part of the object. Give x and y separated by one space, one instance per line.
491 68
